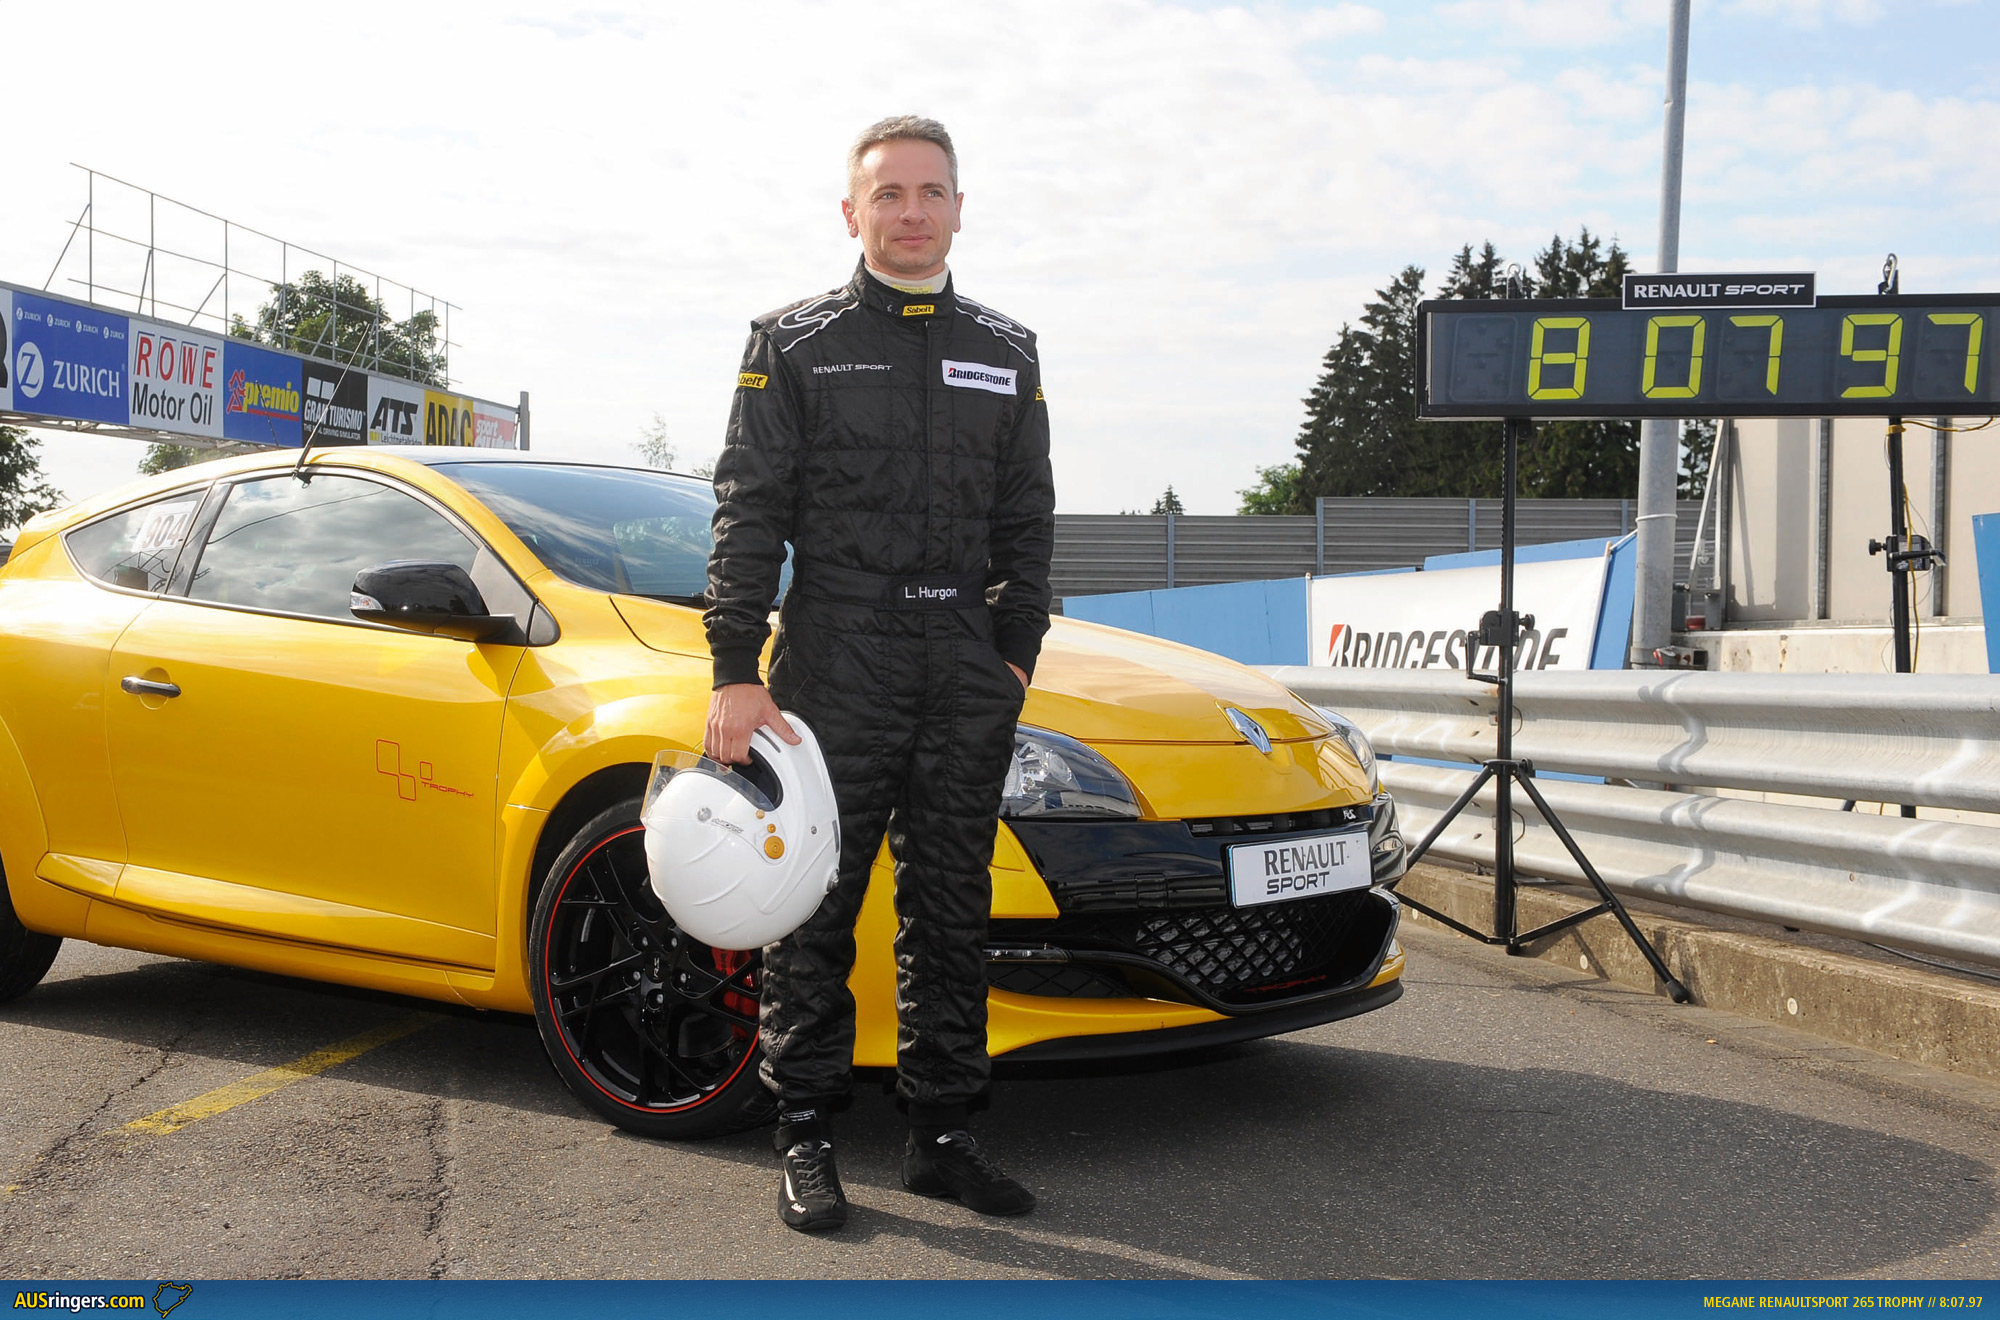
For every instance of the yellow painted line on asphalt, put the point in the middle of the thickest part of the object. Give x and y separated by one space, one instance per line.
225 1098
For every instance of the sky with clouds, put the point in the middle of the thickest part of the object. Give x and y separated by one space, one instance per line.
1185 200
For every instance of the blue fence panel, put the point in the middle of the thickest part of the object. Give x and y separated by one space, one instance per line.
1986 549
1256 623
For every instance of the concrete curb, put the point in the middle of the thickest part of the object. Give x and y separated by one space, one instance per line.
1904 1013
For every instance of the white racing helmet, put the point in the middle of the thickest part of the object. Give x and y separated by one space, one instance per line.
742 855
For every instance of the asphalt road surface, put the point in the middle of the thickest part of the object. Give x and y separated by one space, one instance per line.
1505 1119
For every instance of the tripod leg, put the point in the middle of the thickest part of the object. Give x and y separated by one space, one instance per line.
1675 990
1451 813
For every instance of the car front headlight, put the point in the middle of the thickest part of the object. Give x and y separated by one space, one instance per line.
1054 778
1356 741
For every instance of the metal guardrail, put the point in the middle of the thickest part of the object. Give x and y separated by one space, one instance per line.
1925 885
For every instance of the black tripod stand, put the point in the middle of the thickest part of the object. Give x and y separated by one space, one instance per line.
1502 629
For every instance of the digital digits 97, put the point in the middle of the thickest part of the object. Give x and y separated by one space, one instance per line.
1872 357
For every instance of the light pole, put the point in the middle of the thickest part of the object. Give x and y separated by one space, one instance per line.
1659 440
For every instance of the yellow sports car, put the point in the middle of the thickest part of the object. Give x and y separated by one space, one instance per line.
385 719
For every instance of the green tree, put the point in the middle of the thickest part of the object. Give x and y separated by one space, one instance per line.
1697 447
340 320
166 458
1362 436
1275 491
1169 502
24 489
655 447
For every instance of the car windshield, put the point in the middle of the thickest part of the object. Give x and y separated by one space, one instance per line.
625 530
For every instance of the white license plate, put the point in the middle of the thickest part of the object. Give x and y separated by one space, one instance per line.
1282 869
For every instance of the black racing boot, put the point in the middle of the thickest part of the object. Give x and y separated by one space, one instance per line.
809 1195
948 1162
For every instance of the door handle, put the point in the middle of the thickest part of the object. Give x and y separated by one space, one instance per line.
146 687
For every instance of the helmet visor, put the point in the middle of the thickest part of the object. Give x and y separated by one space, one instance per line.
755 781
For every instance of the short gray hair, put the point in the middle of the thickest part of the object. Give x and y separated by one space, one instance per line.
899 128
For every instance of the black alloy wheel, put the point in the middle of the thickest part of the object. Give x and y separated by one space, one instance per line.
651 1029
25 955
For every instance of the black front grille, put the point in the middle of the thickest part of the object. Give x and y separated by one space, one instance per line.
1295 822
1155 894
1057 980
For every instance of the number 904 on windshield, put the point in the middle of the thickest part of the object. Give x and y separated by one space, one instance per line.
1861 357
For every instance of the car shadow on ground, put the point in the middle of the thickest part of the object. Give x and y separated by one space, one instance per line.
1289 1158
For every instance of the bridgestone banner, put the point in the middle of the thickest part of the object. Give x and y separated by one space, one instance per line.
68 362
1422 620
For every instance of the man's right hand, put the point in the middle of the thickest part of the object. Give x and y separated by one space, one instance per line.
735 711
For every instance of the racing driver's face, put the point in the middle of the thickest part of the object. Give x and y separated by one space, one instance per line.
903 209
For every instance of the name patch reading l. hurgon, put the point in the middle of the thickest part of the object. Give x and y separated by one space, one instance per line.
979 376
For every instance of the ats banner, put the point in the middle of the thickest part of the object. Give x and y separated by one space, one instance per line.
495 427
1420 620
336 406
69 360
447 419
395 412
263 395
176 378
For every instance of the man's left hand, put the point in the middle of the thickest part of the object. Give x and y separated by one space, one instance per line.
1020 674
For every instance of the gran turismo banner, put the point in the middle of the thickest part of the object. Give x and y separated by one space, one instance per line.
63 361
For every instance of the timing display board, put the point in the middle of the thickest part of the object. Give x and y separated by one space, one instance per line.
1590 357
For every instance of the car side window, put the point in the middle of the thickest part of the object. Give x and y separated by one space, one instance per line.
135 549
294 546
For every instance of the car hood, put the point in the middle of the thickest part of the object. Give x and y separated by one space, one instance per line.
1098 684
1106 685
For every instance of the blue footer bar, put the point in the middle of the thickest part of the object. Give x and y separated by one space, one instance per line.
207 1299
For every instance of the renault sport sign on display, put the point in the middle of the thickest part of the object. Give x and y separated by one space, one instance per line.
64 362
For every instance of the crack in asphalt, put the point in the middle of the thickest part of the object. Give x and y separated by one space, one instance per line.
437 1135
67 1150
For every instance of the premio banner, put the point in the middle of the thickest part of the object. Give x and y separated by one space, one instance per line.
66 361
1421 620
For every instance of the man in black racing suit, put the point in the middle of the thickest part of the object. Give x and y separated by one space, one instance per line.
895 434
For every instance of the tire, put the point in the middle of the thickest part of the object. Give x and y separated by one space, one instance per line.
25 955
652 1030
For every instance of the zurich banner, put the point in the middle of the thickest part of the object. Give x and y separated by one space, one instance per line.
69 360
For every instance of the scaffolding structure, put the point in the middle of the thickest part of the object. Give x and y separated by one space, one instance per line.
175 261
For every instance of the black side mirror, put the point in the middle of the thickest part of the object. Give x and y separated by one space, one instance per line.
427 597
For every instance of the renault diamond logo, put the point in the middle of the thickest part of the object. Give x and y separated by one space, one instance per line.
1250 729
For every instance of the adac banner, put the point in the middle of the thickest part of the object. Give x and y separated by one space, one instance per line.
336 404
395 412
1422 620
69 360
176 380
264 395
447 419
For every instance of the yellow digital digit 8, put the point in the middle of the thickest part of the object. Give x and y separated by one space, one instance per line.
1973 323
1578 360
1890 356
1653 327
1773 349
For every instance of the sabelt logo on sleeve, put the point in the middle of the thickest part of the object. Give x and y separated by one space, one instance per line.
1038 394
979 376
750 380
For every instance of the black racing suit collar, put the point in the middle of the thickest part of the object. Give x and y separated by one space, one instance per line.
872 292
